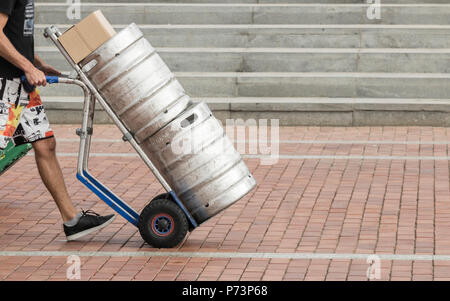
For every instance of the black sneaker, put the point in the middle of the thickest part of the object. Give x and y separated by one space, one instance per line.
89 222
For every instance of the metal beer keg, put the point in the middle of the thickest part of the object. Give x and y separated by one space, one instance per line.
136 82
200 162
184 141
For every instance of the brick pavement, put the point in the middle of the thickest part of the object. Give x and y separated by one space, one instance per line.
333 206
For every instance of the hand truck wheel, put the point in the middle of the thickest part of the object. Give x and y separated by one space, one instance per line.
167 196
162 224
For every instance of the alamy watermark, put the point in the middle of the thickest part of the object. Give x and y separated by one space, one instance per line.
73 272
250 137
73 12
374 10
374 270
263 138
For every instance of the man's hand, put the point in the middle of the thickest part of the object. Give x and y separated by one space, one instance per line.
35 76
49 70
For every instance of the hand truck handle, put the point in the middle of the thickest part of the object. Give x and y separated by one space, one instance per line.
30 88
52 79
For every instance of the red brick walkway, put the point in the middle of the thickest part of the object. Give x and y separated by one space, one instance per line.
307 206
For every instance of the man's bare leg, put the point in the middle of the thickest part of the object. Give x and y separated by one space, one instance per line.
51 175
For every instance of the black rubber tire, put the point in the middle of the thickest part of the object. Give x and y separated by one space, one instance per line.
164 196
167 196
168 207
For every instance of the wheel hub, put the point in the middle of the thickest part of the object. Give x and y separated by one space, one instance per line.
162 225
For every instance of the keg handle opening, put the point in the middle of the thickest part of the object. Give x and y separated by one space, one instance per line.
189 120
90 65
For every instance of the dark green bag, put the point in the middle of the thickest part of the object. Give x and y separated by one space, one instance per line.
11 154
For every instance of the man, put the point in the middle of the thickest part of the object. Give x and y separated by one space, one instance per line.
22 113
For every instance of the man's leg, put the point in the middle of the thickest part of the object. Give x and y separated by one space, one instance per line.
52 176
76 225
34 126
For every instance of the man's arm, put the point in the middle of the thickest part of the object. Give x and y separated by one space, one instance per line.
38 62
44 67
10 53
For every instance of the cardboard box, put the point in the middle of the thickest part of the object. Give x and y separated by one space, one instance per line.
83 38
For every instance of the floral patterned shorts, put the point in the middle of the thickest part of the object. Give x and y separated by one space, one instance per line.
22 115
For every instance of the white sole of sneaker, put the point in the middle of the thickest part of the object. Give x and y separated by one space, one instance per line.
89 231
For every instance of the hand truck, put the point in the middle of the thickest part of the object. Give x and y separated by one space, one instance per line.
166 220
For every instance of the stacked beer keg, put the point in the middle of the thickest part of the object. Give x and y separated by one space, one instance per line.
184 141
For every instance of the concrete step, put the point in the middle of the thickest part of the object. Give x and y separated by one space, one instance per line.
252 1
294 111
290 59
307 84
229 13
286 36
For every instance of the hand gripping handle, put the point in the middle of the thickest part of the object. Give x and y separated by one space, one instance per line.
30 88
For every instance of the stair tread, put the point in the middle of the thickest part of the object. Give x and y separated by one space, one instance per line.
63 99
281 50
